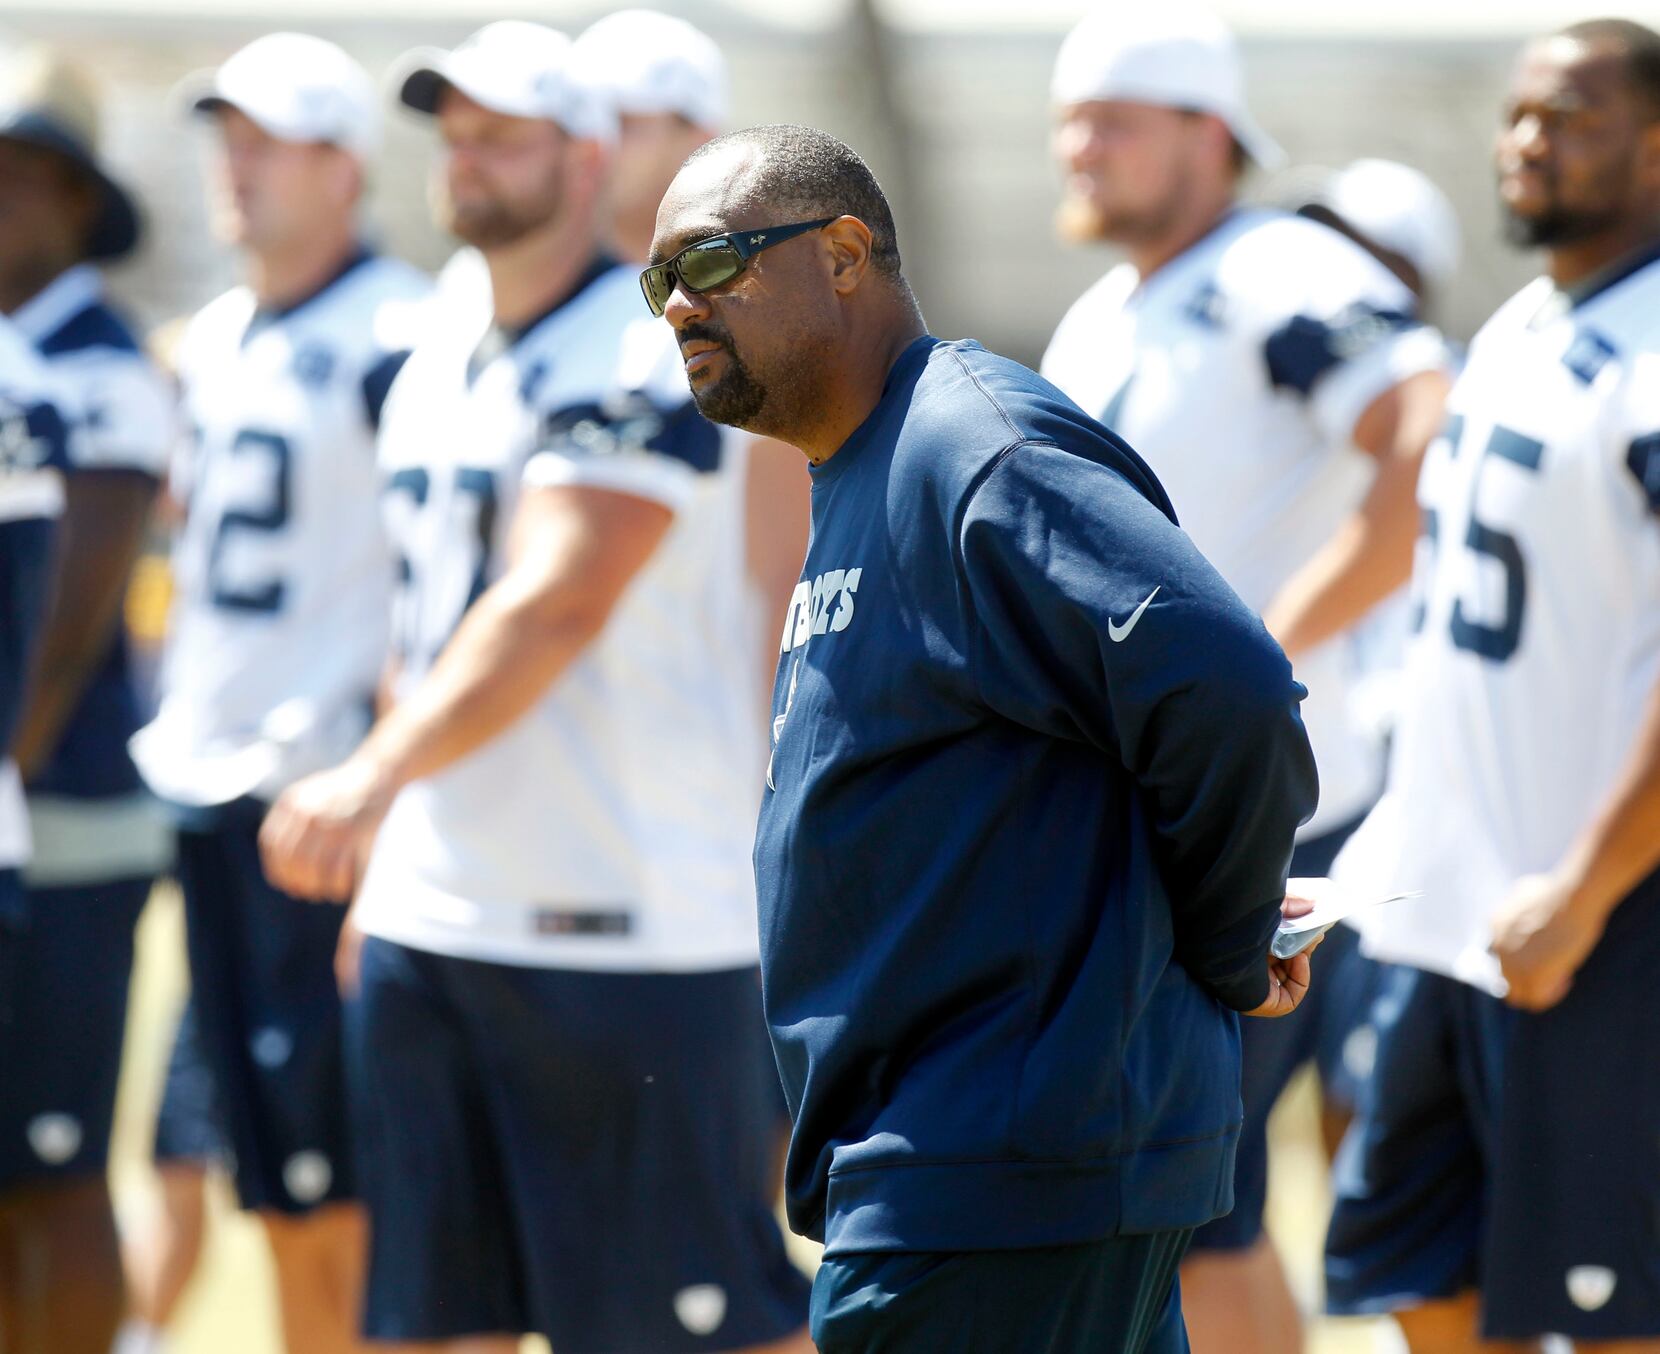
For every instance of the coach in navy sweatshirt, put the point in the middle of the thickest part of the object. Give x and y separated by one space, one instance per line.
1034 778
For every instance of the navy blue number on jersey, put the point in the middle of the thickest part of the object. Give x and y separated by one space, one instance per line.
1495 642
260 519
474 485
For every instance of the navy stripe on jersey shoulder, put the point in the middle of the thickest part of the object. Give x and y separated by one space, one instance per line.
1613 275
682 434
95 327
377 384
1644 461
1306 347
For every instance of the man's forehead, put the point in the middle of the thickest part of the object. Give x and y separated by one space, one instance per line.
1561 67
709 196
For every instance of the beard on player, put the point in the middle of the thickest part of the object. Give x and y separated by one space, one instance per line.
1092 213
1555 223
486 218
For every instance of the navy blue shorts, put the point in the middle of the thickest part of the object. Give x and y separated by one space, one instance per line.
1331 1029
187 1124
1118 1296
267 1016
588 1156
1512 1153
66 957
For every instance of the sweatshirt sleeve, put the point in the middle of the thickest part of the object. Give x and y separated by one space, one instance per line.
1093 617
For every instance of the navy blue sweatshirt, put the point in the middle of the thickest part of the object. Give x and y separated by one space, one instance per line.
1025 834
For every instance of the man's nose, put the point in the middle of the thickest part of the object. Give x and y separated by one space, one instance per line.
683 307
1527 137
1076 143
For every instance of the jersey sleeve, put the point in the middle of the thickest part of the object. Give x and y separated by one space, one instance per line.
1354 334
644 436
129 419
377 384
399 326
1096 619
1635 437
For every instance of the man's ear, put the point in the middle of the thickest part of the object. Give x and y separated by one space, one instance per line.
590 162
346 177
847 239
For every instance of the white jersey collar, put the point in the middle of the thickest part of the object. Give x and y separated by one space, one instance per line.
58 302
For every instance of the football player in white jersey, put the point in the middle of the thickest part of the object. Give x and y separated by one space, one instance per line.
1275 378
558 1028
1502 1179
669 83
279 628
99 839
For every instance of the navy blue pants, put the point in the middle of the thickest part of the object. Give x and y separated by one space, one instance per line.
66 958
266 1022
1118 1296
1513 1153
584 1155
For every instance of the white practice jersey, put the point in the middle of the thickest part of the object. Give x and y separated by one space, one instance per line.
611 826
1538 618
91 820
1238 372
37 433
282 573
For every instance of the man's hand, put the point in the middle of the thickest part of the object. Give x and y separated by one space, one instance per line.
317 836
1289 978
1541 938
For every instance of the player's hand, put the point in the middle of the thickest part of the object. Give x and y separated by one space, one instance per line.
317 835
1288 979
1541 938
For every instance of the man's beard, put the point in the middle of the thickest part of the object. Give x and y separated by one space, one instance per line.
1557 226
736 398
1080 220
492 223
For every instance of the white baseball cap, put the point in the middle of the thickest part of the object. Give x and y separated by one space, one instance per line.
522 69
296 88
1168 53
656 63
1395 206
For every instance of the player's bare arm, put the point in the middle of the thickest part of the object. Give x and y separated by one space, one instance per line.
572 553
777 509
1550 923
1369 556
101 532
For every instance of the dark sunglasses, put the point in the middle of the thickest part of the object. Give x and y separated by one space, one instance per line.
720 258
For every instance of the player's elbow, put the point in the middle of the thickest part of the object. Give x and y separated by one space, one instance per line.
562 618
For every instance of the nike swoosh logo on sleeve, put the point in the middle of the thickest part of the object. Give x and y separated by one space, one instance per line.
1119 633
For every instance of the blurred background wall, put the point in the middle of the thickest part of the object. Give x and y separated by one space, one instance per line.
947 99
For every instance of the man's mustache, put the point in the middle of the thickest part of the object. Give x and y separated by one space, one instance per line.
706 333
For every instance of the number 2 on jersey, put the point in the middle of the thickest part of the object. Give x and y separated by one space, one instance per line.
272 516
1494 642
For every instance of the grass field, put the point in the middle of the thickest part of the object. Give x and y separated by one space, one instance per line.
230 1308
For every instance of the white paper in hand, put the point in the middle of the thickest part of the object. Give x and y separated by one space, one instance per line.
1332 903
